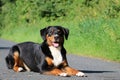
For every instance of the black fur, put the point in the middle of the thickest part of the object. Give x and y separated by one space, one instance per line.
33 54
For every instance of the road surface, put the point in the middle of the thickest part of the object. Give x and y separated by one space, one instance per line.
95 69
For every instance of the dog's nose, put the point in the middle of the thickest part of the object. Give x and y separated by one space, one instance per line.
56 37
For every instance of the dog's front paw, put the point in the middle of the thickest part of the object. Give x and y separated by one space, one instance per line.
20 69
63 74
80 74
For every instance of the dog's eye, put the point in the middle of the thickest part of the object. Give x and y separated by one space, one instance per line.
60 34
50 33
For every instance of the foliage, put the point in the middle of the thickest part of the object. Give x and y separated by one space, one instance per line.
53 9
36 9
94 24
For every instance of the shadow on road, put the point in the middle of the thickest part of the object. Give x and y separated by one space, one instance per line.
4 47
90 71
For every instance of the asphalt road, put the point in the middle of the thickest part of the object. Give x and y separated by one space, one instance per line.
95 69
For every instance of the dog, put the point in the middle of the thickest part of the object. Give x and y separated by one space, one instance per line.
48 58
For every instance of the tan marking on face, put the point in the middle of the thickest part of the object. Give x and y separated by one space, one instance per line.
50 39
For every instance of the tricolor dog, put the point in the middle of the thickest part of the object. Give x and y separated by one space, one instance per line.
48 58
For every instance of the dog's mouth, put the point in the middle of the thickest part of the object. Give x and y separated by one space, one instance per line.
55 44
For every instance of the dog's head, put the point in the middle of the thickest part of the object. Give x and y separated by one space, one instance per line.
54 35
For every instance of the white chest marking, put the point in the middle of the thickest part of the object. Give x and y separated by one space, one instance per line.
56 53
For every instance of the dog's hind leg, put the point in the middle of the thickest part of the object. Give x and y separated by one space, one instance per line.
18 65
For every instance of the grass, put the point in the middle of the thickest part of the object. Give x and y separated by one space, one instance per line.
90 37
94 26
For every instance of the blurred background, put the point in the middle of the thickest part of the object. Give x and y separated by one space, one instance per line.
94 24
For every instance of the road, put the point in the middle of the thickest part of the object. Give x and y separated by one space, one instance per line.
95 69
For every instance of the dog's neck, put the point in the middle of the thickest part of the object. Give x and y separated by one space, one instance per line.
56 53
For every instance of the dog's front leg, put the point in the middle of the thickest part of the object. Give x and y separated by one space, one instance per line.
56 72
74 72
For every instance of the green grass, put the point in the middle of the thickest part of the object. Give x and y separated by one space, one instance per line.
94 26
94 38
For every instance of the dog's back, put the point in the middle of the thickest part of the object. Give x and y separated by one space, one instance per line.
27 52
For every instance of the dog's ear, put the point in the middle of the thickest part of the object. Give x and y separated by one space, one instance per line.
43 33
66 33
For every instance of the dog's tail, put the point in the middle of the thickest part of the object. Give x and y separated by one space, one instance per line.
9 58
9 61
